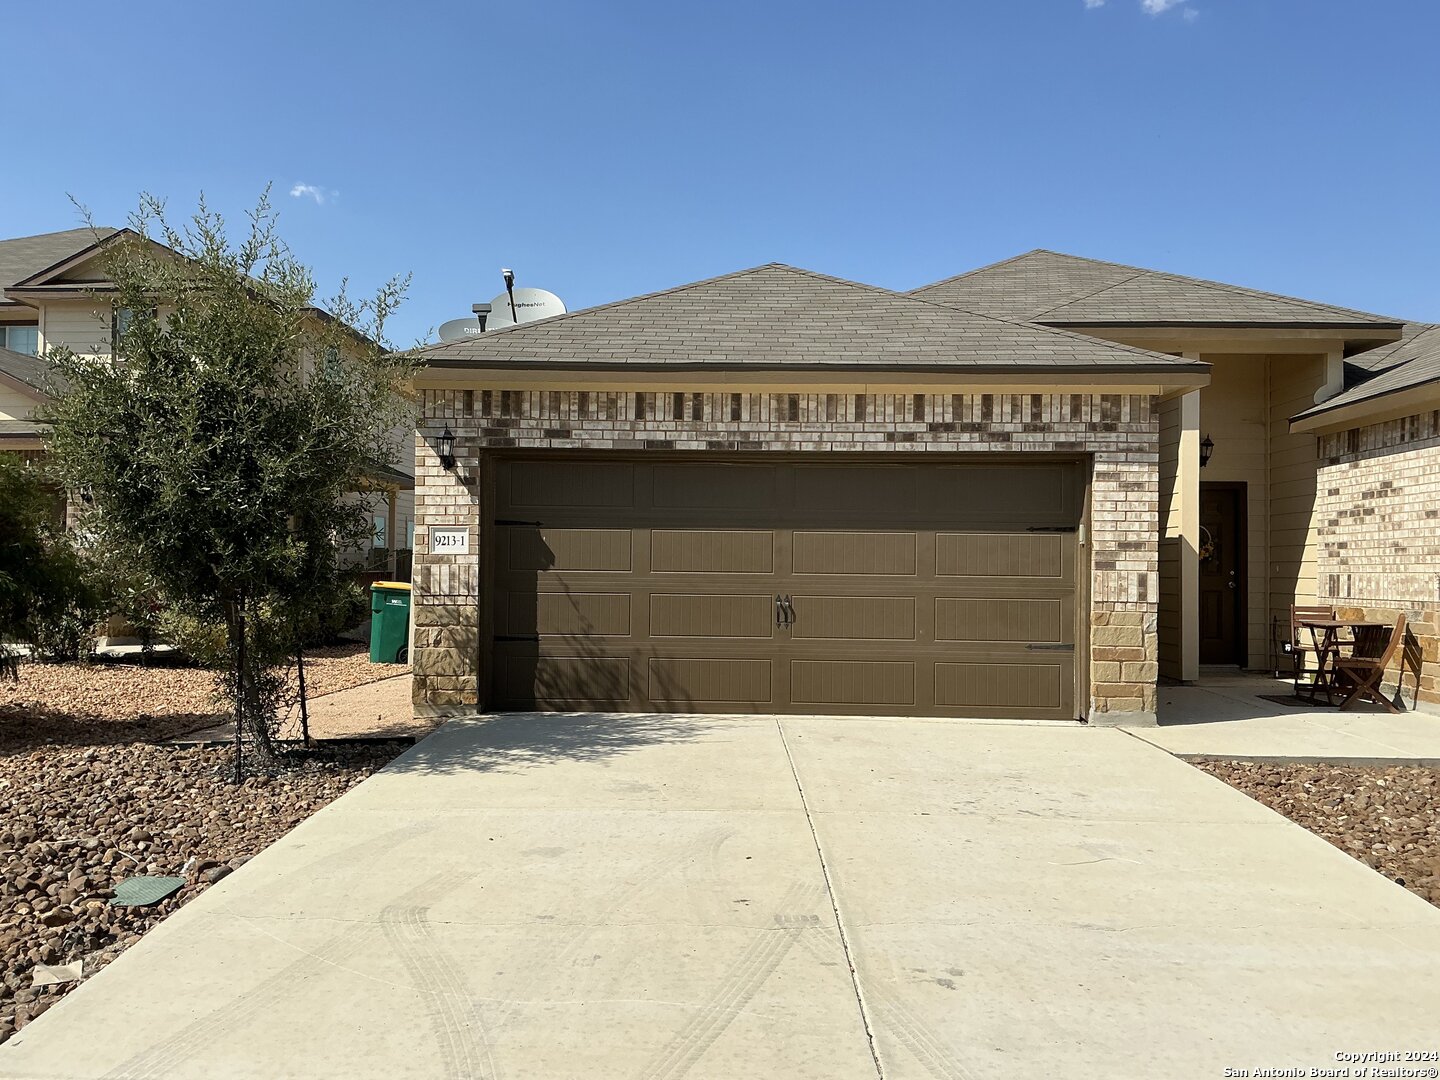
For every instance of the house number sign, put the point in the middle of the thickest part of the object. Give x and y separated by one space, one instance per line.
450 541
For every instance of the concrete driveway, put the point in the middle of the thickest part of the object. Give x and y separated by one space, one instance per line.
651 897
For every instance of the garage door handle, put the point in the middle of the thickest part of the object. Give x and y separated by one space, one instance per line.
1053 528
790 611
1051 648
509 521
779 611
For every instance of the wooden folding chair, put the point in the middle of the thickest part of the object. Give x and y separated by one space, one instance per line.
1300 649
1366 673
1412 657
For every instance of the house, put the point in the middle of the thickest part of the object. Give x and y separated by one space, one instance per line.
1032 490
52 289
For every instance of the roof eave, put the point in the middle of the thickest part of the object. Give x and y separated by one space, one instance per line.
1390 405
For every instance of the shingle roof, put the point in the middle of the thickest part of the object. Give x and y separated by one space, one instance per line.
22 428
1065 290
1413 361
778 316
33 371
27 255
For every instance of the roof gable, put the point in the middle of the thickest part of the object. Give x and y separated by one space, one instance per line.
28 256
1066 290
778 316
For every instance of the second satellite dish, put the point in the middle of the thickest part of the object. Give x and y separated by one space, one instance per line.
530 304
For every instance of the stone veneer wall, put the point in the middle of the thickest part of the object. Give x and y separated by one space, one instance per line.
1120 431
1379 530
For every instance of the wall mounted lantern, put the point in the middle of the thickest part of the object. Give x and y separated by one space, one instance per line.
447 448
1207 447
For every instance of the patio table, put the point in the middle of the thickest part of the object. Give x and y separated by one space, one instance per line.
1325 635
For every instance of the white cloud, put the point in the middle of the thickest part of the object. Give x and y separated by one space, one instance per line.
1191 14
1158 7
1092 4
319 194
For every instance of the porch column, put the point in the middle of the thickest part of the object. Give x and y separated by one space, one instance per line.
1187 483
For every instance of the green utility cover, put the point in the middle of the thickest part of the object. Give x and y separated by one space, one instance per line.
139 891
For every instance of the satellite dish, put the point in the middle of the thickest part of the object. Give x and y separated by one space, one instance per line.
461 329
530 304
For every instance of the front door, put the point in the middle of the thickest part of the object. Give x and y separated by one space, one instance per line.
1222 574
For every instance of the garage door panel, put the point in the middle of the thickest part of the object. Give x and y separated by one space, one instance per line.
712 615
1002 554
1042 621
579 680
552 549
852 682
860 553
710 681
721 487
581 614
654 585
853 618
539 485
705 551
1000 493
851 490
974 685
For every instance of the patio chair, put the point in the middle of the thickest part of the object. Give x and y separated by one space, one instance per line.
1364 674
1299 650
1412 657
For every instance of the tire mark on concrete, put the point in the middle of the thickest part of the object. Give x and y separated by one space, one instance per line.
195 1038
747 974
936 1055
451 1008
543 970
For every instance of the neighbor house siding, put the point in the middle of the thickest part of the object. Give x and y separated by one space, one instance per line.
78 325
1379 528
1119 432
15 404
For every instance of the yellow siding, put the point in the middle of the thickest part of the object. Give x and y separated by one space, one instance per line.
1169 620
1293 468
1233 413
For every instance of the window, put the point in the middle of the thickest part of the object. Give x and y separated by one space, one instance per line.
21 338
121 320
378 534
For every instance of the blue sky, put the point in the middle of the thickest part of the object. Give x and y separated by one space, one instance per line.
608 149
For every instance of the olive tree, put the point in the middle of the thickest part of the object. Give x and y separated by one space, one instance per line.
221 445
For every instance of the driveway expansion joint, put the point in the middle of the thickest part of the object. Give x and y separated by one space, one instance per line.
834 907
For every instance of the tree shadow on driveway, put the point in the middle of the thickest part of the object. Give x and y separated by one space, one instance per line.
514 741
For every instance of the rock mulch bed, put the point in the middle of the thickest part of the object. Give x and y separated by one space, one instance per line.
120 702
75 820
1388 818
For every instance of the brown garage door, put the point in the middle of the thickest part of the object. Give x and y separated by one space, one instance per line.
786 586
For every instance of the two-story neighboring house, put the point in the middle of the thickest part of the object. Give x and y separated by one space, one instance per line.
52 293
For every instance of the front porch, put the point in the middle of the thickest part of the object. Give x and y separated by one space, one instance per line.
1229 715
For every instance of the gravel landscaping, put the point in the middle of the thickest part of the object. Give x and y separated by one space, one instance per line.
75 820
119 702
1388 818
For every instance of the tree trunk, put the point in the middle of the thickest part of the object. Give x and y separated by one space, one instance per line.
237 629
304 710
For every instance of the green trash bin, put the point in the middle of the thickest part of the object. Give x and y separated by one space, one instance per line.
389 622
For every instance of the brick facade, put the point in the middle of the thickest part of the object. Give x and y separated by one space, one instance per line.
1378 515
1119 432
